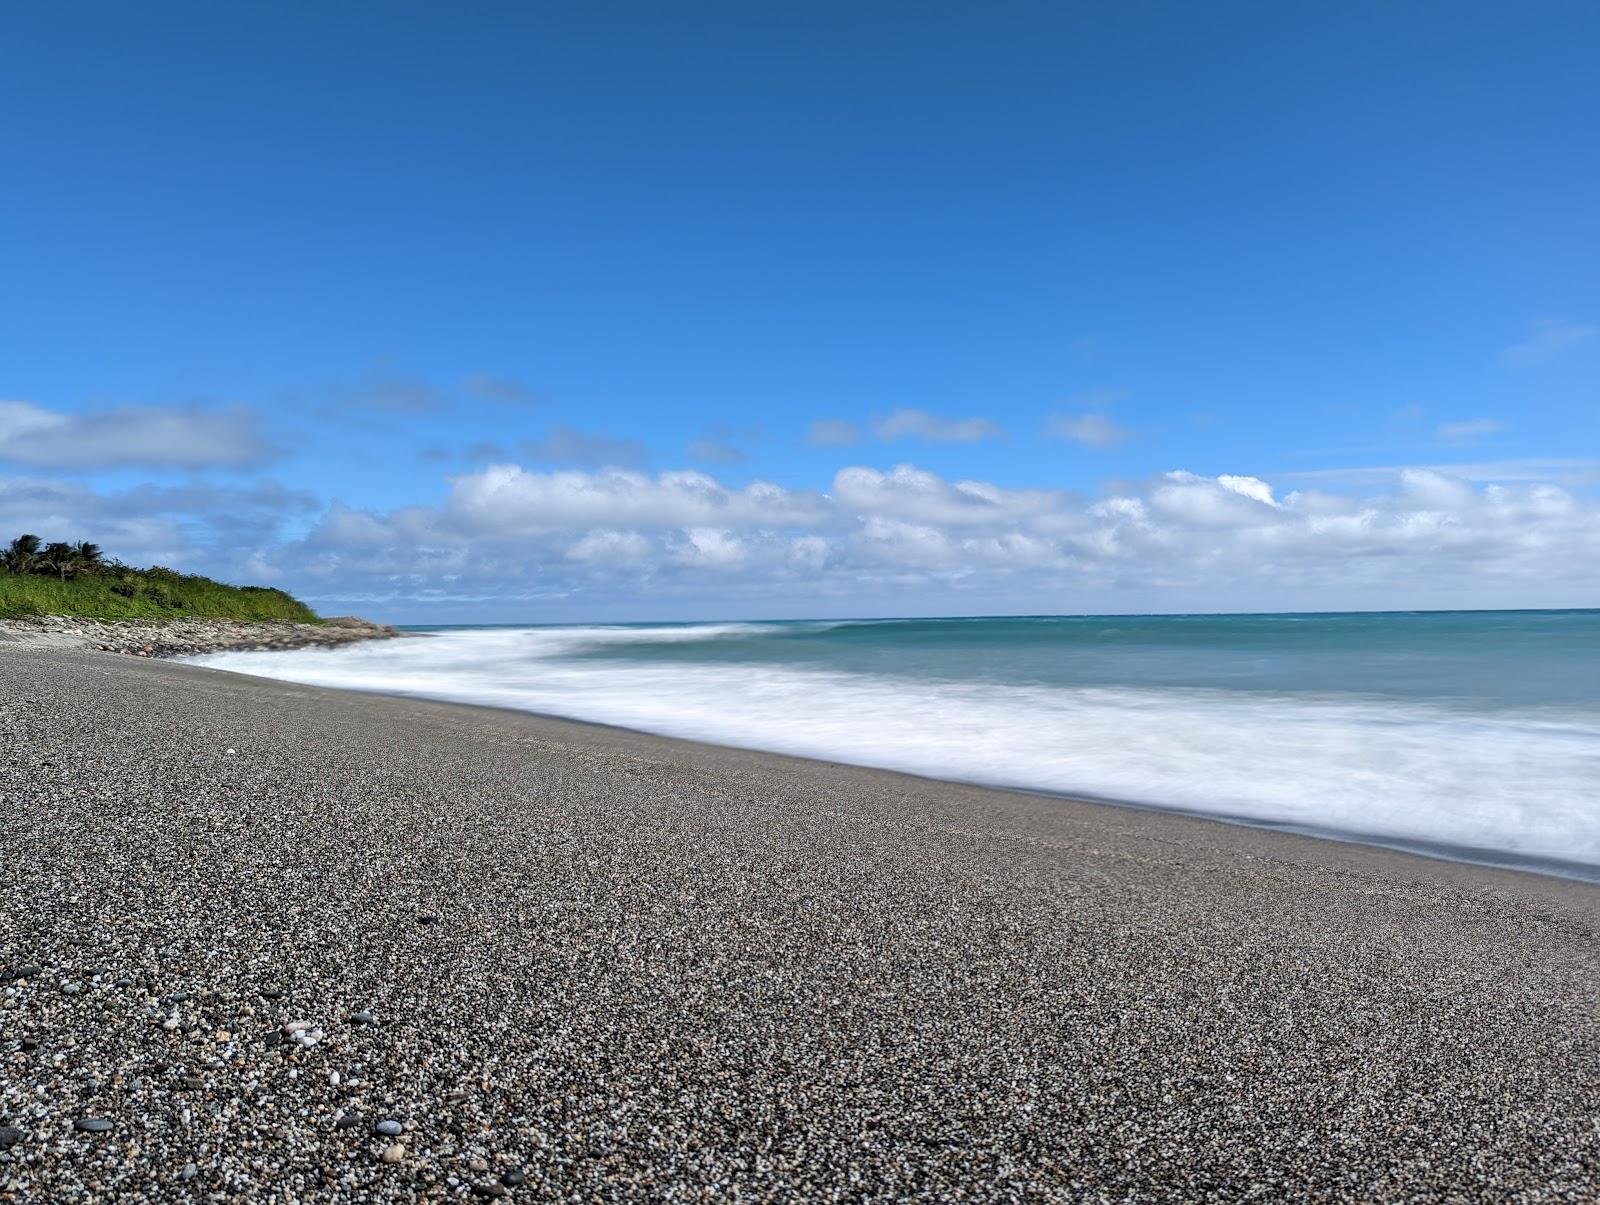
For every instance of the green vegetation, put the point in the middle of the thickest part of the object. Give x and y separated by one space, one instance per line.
77 580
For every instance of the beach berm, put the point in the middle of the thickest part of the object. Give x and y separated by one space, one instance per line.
271 942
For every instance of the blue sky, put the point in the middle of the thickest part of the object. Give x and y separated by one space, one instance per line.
918 307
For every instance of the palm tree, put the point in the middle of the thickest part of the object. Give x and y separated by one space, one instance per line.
57 558
88 557
22 556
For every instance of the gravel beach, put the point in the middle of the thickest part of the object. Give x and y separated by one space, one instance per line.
186 637
276 943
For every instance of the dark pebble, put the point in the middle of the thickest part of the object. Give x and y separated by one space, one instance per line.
272 993
26 971
427 918
488 1189
9 1136
348 1122
513 1178
364 1018
30 1044
92 1125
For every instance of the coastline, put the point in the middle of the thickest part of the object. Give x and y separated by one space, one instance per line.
188 637
657 963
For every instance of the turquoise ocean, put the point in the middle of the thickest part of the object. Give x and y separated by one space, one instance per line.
1472 735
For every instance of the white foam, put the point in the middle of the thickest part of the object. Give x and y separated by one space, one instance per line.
1523 783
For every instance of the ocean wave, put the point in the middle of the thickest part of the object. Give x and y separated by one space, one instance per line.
1385 769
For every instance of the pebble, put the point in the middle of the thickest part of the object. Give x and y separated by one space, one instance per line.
632 1001
394 1152
516 1176
427 918
92 1125
364 1018
488 1188
389 1128
10 1136
189 1172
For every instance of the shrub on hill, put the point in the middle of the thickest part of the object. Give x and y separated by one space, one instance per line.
78 580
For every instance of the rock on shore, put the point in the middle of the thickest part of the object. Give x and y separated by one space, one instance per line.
188 637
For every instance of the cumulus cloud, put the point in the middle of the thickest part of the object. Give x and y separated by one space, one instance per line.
507 499
1571 471
564 445
919 424
911 493
1420 536
1550 339
1231 535
609 547
1166 541
159 437
833 432
1091 430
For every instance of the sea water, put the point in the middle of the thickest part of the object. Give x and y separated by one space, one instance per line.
1465 734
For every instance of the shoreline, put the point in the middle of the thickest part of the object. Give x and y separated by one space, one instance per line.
174 638
1488 857
1429 851
259 918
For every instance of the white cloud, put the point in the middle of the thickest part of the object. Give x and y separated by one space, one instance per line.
919 424
1572 471
1550 339
175 437
608 547
1470 429
1091 430
833 432
1226 501
1421 536
911 493
1248 487
505 499
1231 535
708 548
